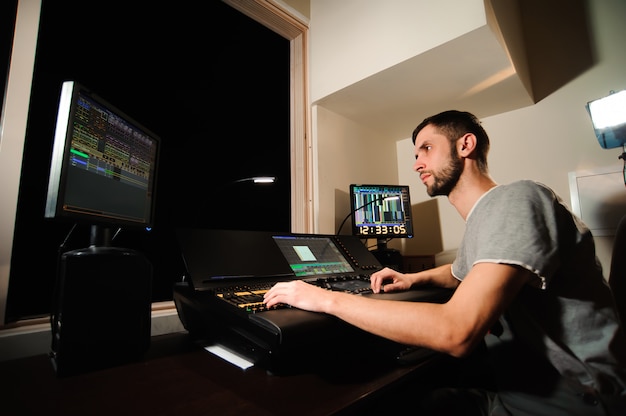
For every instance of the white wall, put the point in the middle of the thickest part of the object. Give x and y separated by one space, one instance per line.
543 141
346 153
553 137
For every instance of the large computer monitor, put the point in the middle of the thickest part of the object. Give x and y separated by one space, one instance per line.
382 212
104 164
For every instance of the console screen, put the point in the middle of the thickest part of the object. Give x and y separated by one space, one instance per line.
312 255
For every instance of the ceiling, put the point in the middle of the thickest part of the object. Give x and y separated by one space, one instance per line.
518 58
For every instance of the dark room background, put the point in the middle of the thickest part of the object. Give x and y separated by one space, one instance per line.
211 82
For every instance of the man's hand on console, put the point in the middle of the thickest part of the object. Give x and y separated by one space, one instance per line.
298 294
389 280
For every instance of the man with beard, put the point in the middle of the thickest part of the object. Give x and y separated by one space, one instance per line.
526 266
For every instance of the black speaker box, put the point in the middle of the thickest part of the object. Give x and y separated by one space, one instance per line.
101 309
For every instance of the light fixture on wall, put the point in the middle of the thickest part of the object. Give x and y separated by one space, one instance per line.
608 116
257 179
205 214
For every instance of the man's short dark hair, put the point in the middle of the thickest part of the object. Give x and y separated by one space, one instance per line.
453 124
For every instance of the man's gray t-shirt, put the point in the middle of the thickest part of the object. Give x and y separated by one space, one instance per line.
566 316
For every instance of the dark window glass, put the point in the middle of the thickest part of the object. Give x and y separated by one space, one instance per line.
8 9
211 82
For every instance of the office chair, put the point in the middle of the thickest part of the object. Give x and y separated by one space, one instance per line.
617 274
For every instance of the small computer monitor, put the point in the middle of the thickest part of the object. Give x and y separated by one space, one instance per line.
381 211
104 164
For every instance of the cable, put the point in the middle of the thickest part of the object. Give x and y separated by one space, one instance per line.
382 198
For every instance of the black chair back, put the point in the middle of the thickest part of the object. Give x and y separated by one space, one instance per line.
617 274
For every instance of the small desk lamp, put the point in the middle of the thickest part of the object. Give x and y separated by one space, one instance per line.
608 116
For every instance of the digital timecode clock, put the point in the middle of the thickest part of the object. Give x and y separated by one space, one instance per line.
376 230
381 211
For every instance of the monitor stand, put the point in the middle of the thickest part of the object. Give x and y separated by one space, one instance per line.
100 236
388 257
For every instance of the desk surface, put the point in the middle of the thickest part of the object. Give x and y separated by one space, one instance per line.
179 377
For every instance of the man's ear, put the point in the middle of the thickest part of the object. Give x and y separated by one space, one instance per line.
466 144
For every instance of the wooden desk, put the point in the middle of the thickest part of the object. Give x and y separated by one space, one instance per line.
178 377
